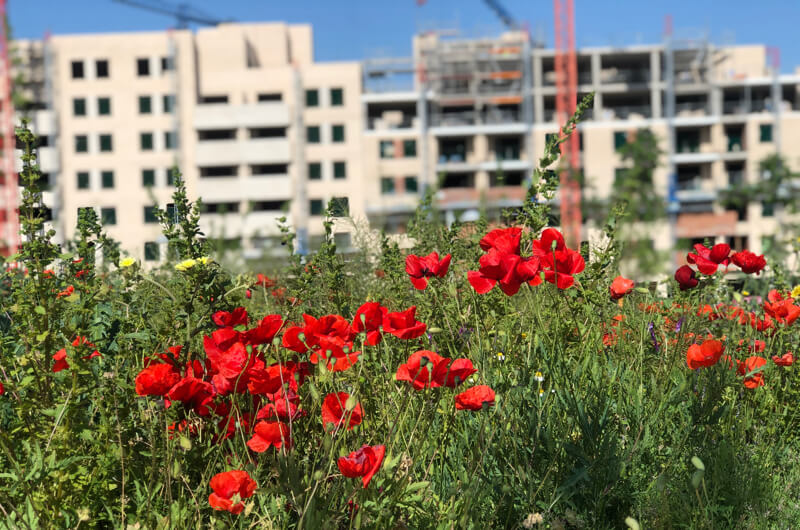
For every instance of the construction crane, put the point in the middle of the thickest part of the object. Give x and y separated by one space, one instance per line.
504 16
183 13
566 100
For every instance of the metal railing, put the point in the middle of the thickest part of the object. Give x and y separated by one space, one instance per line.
625 76
376 122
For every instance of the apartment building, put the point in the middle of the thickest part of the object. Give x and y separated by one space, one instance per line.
250 119
261 130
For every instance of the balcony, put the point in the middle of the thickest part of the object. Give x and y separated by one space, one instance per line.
235 152
223 115
630 112
734 107
380 123
693 108
233 189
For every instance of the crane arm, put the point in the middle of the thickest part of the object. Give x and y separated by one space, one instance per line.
183 12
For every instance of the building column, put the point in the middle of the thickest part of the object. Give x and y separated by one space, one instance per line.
655 84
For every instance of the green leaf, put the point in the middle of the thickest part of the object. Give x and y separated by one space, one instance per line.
698 463
39 310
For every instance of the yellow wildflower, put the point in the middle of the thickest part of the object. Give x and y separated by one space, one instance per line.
204 260
796 291
127 262
185 265
746 293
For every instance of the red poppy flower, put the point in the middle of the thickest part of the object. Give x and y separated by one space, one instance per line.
330 327
787 359
709 259
283 405
749 262
194 393
60 358
270 379
2 389
156 379
686 278
455 374
620 287
268 434
265 331
475 398
783 310
504 240
264 281
750 364
363 463
419 269
66 292
704 355
508 269
558 262
369 318
334 411
423 370
236 317
230 488
403 324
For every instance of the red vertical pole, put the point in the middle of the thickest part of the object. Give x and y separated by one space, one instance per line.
9 225
566 100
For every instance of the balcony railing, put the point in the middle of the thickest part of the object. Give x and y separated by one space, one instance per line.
691 108
376 122
625 112
734 107
735 177
625 76
691 184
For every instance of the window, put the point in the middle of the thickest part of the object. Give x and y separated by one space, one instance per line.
170 140
101 68
266 206
314 171
105 143
220 207
765 132
767 209
340 207
213 99
271 96
77 69
620 139
146 141
216 134
81 143
620 174
387 149
312 98
339 170
269 169
267 132
337 133
79 107
107 178
411 184
143 67
145 105
312 134
337 97
103 106
151 252
150 214
315 206
169 102
171 176
83 180
166 64
108 216
172 214
219 171
387 186
410 148
148 178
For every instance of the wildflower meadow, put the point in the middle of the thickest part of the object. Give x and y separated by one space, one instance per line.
485 375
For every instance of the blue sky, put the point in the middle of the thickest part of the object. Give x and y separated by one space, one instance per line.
355 29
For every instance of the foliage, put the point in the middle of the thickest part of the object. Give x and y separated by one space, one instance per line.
597 419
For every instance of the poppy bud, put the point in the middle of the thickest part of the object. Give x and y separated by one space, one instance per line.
248 294
301 336
351 403
423 361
